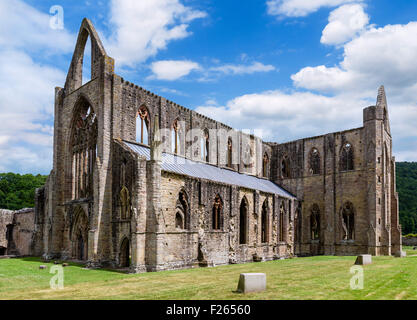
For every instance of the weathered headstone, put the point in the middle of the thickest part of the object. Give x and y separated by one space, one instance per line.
251 282
401 254
363 259
42 267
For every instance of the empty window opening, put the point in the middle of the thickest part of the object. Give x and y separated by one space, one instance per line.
142 126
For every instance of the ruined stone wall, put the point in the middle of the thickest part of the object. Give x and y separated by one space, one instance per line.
6 219
16 232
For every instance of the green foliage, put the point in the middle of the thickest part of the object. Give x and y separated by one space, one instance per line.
18 191
407 190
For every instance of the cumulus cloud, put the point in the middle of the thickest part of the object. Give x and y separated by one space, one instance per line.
380 55
172 69
301 8
344 23
282 116
376 56
142 28
243 69
27 86
24 27
176 69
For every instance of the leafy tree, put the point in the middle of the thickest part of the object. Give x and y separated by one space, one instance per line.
407 190
18 191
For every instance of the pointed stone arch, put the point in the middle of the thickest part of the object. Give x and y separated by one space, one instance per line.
182 211
243 221
82 144
75 74
143 125
265 222
79 235
125 253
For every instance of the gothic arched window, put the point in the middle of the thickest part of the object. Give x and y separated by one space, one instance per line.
265 223
244 208
205 146
179 222
125 205
182 210
176 137
229 153
315 222
348 221
346 157
217 213
315 161
265 166
142 125
84 149
281 223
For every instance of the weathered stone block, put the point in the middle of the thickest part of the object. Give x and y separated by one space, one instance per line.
363 259
42 267
252 282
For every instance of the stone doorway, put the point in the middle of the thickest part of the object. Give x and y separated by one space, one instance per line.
79 237
2 251
124 259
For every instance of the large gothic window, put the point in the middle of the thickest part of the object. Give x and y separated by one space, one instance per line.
348 221
243 223
217 213
205 146
346 157
142 126
175 137
314 161
265 166
182 208
83 145
265 223
315 222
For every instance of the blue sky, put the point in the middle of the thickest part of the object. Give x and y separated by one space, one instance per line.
286 68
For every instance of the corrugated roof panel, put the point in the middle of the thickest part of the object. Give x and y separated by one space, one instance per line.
179 165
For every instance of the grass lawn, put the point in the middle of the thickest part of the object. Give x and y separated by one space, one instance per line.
320 277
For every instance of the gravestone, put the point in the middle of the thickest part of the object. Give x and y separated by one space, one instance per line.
363 259
42 267
251 282
401 254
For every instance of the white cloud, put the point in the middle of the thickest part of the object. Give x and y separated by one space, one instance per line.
301 8
376 56
142 28
24 27
27 86
172 69
287 116
26 104
344 23
384 55
243 69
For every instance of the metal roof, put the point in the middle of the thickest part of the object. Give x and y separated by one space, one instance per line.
194 169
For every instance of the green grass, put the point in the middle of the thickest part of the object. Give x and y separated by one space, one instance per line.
301 278
409 250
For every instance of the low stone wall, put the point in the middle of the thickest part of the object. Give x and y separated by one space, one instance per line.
411 241
16 232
